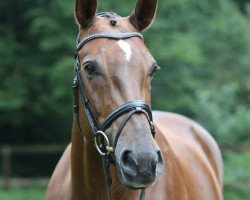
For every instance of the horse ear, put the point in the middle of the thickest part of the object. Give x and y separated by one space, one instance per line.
85 12
143 13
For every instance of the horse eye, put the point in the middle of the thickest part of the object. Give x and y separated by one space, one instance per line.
89 68
154 69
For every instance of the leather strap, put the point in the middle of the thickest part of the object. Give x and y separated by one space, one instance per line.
131 107
142 195
124 122
116 36
89 113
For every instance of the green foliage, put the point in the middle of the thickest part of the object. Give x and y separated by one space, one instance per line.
236 176
36 70
218 109
203 48
236 194
237 169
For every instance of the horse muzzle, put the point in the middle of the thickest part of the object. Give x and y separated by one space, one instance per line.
139 169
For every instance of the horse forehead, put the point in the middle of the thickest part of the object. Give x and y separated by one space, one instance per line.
130 51
124 53
126 48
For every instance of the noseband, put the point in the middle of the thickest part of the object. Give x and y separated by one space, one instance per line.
130 108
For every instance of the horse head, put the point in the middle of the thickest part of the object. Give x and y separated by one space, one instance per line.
116 69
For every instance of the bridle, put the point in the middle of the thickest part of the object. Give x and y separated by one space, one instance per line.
130 108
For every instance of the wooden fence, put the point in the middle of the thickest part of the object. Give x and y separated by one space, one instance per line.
8 151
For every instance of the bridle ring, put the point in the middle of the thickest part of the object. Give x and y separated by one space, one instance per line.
108 148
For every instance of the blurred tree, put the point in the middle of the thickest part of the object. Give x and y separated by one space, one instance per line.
203 48
36 66
243 5
206 50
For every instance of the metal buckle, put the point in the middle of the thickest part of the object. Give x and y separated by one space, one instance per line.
138 108
98 146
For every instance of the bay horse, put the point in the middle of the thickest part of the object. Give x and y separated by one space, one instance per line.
170 158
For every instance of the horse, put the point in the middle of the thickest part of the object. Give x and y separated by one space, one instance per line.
116 137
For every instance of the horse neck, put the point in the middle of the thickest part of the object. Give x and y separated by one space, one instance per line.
87 170
86 166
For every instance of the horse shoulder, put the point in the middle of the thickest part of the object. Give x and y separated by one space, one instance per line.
60 183
195 152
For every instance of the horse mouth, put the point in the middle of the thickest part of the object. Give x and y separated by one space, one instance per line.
140 178
137 180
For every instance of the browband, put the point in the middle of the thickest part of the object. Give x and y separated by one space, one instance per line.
116 36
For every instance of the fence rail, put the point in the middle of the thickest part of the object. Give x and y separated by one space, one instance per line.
8 151
235 148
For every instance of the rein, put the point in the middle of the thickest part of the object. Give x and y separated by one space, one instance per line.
130 108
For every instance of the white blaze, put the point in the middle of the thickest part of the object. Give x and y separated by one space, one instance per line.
126 48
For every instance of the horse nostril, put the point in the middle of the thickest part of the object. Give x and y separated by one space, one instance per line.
159 166
128 163
159 156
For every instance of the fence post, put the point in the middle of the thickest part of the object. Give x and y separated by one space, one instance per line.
6 155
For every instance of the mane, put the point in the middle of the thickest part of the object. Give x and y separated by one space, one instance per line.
108 15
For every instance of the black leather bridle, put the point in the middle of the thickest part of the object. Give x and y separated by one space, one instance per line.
129 108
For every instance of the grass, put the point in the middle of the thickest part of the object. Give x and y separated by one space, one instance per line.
24 189
31 193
